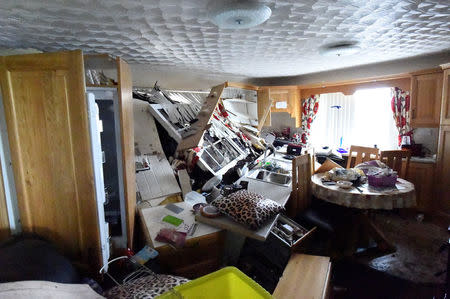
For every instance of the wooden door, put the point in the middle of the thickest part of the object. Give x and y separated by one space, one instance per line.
422 176
46 116
443 164
426 93
127 138
445 107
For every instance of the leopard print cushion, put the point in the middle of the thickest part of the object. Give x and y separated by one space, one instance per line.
248 208
146 287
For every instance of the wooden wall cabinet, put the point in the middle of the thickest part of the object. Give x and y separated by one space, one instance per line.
426 94
422 176
445 107
291 96
443 171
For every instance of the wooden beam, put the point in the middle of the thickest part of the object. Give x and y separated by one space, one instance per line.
127 142
241 85
203 119
349 89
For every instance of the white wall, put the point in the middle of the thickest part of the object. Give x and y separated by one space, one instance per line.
365 71
145 76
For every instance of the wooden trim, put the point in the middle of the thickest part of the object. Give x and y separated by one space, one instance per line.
241 85
127 140
356 81
349 89
427 71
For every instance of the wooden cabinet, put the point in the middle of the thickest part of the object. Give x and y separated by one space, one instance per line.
46 116
445 107
198 257
443 171
426 94
422 176
46 113
288 97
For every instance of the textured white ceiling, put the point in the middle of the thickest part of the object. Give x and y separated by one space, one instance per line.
177 34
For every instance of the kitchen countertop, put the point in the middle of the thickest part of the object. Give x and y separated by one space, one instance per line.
430 160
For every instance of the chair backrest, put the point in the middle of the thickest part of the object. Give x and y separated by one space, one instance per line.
301 184
394 159
363 154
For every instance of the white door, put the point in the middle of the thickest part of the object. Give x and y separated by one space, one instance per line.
96 149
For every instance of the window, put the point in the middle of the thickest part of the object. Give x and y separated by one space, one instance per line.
364 118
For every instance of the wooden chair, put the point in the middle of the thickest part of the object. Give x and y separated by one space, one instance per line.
363 154
301 184
394 160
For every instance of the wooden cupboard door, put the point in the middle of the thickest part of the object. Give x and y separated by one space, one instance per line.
264 104
445 107
127 138
444 170
426 93
422 176
46 116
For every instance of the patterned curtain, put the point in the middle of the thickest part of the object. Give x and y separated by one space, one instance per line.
401 108
309 111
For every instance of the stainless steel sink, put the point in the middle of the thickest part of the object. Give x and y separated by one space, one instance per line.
271 177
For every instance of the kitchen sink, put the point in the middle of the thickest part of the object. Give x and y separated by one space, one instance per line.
271 177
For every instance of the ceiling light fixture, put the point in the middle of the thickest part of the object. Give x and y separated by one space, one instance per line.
340 49
239 15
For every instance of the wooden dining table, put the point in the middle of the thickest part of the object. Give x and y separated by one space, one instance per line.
364 199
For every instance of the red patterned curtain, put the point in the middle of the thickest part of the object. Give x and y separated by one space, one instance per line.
309 111
400 104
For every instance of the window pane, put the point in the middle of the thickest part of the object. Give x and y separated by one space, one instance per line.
364 118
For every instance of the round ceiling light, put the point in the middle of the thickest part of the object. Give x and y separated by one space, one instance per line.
239 15
340 49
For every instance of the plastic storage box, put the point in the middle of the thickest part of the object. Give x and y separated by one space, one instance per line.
228 282
382 181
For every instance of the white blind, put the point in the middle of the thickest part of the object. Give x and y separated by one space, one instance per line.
364 118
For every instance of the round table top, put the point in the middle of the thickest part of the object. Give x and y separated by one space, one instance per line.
403 196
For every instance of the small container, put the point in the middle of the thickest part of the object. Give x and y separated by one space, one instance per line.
382 180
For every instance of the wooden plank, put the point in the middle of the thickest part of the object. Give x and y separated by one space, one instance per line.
164 175
264 105
185 181
127 141
4 221
146 137
203 119
47 120
305 276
